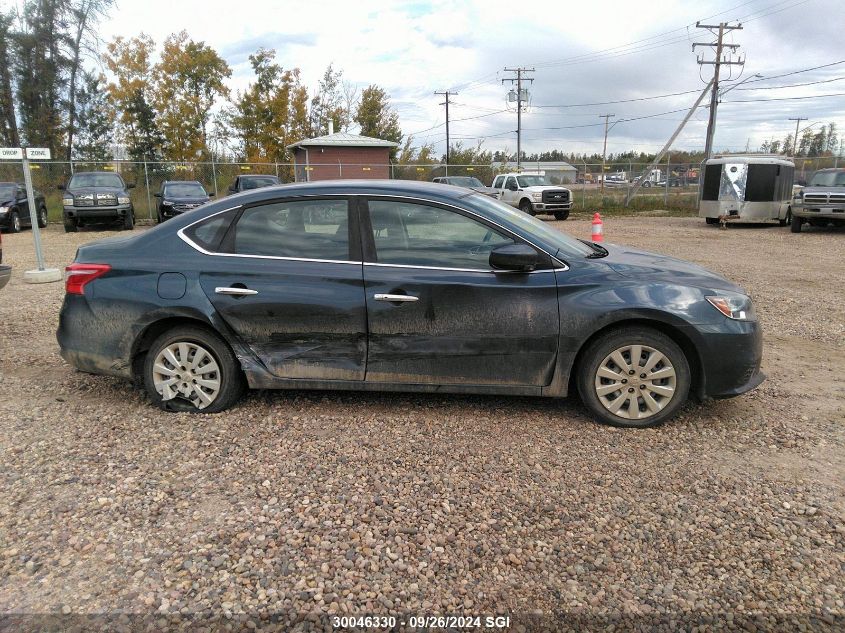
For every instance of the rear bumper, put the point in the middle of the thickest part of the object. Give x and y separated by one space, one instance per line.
5 275
97 213
86 344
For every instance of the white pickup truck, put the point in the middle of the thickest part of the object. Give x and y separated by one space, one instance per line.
534 194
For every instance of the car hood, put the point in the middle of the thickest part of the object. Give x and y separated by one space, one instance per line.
540 188
819 189
186 200
646 266
112 190
487 190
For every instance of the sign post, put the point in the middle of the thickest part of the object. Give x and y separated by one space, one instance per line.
42 274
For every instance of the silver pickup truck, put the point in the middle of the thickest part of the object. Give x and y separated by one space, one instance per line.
822 201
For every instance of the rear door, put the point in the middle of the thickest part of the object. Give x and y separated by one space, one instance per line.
436 311
289 282
23 205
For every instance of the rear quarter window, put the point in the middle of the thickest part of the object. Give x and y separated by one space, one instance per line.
208 233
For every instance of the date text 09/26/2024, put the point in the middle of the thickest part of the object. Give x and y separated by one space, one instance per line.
421 622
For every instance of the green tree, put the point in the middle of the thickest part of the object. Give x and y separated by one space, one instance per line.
328 104
188 80
94 135
376 118
8 119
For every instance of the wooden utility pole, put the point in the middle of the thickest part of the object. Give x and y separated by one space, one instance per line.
795 139
606 118
518 79
447 94
717 63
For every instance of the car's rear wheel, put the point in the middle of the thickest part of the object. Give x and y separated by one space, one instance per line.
562 215
14 222
191 369
633 377
795 224
526 207
42 217
787 220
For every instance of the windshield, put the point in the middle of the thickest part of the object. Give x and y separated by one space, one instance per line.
532 181
464 181
96 180
256 182
546 236
185 190
828 179
7 192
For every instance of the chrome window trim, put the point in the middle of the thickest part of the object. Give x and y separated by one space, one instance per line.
197 247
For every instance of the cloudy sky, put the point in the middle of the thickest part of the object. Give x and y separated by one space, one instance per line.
585 54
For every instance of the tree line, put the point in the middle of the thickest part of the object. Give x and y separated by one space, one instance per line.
171 104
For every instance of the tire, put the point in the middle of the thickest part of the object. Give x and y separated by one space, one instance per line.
42 218
526 207
667 393
129 221
795 224
647 184
196 341
787 220
159 218
14 222
562 215
71 225
711 220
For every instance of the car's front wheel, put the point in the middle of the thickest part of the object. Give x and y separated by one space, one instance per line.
191 369
795 224
128 221
14 222
633 377
562 215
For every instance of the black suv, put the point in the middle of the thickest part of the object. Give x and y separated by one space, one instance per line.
14 207
97 197
178 196
245 183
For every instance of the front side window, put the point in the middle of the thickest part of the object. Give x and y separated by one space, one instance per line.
300 229
412 234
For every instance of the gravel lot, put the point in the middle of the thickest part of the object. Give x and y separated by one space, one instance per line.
319 503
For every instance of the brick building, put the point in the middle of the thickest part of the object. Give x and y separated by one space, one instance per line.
341 155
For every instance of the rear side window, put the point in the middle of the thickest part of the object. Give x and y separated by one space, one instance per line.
497 184
298 229
209 233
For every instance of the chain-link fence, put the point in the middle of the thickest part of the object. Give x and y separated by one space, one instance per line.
672 186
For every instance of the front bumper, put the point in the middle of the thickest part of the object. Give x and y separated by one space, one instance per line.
822 211
730 353
5 275
97 213
546 206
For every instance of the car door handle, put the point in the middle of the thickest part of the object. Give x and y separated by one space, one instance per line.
396 298
238 292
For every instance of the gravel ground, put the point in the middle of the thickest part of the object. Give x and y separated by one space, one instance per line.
317 503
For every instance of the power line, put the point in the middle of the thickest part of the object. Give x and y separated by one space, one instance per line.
809 83
518 80
833 94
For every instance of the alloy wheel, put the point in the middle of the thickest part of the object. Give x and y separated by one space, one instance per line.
187 371
635 382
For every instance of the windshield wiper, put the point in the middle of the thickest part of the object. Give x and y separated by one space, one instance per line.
599 251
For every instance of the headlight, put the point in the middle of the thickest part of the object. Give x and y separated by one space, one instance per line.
67 202
3 210
798 195
734 306
165 203
123 200
537 196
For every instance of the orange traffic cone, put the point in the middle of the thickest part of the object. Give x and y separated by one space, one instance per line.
598 228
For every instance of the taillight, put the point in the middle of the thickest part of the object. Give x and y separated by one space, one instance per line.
77 275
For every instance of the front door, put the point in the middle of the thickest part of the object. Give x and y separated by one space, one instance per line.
436 311
289 282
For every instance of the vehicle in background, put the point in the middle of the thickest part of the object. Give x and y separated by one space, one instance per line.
469 182
178 196
532 194
652 179
253 181
822 201
753 188
14 207
388 285
96 197
616 179
5 271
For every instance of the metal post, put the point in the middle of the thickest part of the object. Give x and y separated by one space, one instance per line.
149 199
666 193
606 118
214 174
33 213
584 188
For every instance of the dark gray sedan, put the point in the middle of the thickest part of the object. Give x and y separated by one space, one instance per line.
387 285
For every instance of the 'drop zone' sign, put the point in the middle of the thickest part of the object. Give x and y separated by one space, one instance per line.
11 153
38 153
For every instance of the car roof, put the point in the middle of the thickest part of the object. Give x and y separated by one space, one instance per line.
82 173
368 187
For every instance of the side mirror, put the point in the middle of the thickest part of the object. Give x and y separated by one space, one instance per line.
60 187
157 195
516 257
210 194
130 185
